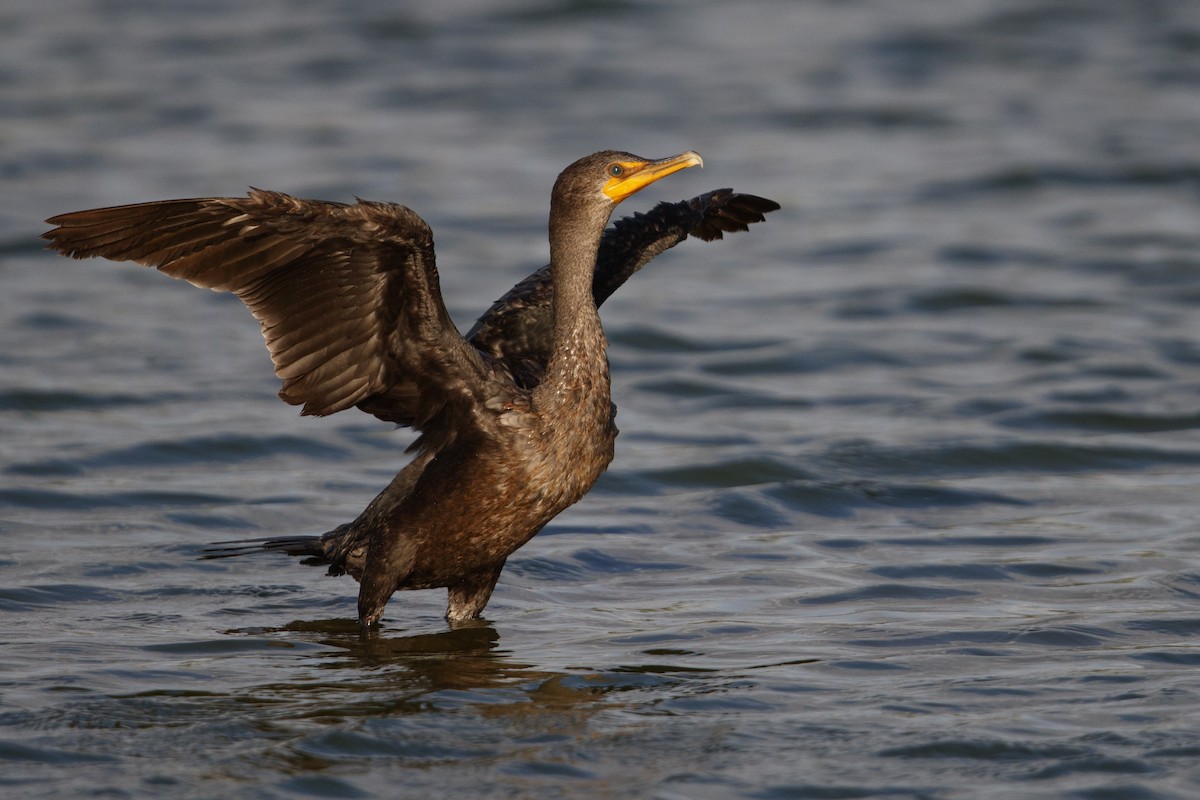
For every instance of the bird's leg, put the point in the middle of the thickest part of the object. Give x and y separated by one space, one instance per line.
390 557
469 596
372 597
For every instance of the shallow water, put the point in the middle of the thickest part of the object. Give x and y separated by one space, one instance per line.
904 499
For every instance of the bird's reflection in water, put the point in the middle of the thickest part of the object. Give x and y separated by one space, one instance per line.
463 656
385 673
418 699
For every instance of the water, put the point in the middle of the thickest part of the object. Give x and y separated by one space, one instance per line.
904 503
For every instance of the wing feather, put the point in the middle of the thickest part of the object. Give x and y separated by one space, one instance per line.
347 296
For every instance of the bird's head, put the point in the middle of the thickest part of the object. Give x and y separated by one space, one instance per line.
610 176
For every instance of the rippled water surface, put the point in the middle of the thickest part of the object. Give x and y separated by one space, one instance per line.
905 499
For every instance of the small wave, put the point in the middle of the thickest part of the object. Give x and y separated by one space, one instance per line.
886 591
41 401
970 297
1025 178
16 751
843 499
980 255
1175 658
586 565
788 359
1101 420
222 646
956 572
879 117
1187 626
984 750
27 598
1031 456
746 471
653 339
223 448
46 499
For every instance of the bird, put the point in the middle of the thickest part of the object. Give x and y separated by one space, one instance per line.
516 330
515 420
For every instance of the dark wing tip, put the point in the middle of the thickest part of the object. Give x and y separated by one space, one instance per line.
727 212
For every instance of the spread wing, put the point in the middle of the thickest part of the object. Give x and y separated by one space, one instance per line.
516 329
347 295
633 241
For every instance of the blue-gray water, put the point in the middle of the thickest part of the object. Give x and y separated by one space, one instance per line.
905 500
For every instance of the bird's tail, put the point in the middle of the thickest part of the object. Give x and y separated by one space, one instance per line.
342 550
311 549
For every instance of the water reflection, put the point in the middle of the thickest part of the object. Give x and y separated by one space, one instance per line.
389 672
408 697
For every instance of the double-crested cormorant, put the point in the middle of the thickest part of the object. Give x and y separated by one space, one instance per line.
514 426
516 331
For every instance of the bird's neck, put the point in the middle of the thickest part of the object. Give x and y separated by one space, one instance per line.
578 356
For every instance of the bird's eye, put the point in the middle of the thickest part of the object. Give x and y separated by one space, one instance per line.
616 170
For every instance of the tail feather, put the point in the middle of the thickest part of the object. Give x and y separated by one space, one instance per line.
341 550
311 548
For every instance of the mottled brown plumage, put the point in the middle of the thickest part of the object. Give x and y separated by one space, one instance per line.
350 306
516 331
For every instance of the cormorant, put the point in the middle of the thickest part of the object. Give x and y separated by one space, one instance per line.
515 421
